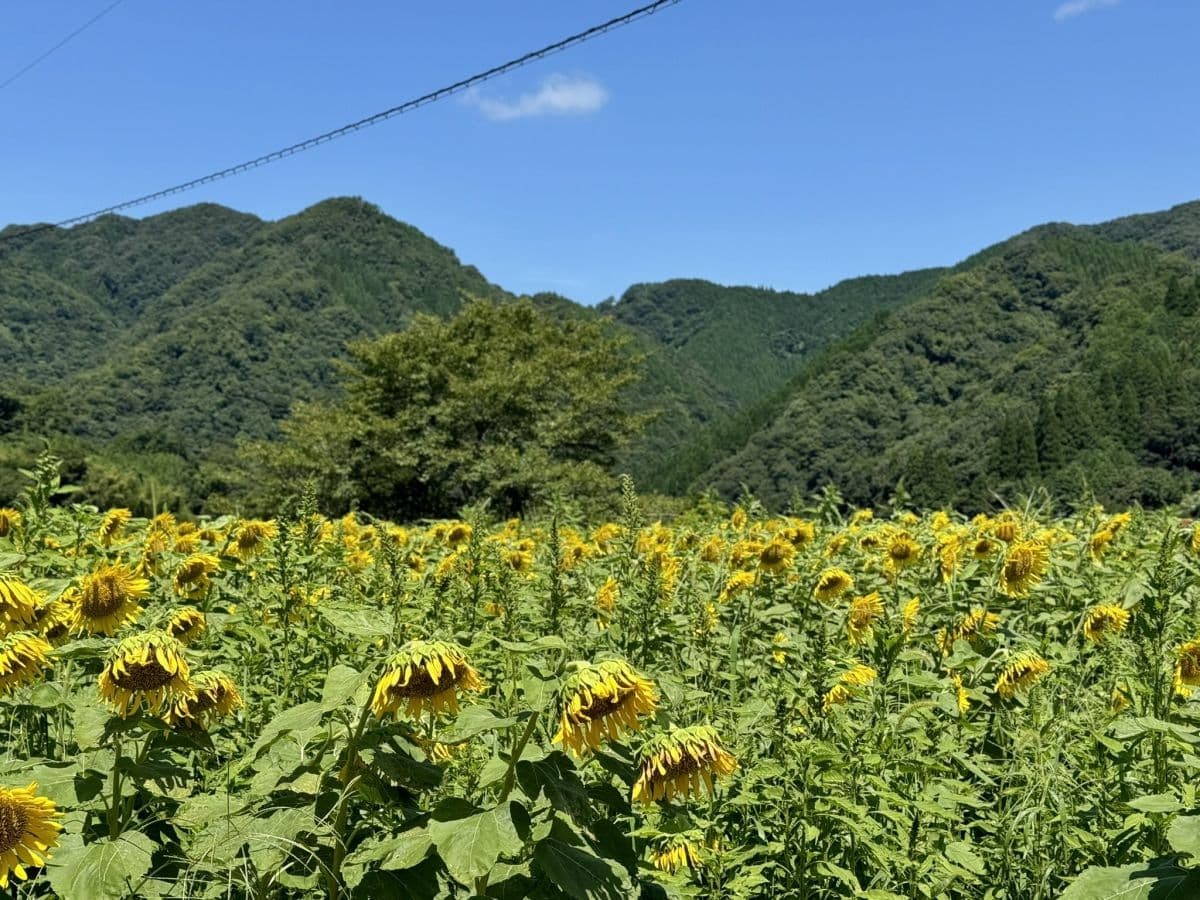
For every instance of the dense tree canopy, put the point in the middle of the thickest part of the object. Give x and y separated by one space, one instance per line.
500 402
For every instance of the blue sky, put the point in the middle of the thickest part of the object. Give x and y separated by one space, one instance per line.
788 144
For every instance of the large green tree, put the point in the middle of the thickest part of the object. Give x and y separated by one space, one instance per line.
501 402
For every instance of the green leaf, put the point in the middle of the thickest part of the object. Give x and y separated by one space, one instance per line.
105 869
340 685
362 622
542 644
407 849
1142 881
580 873
295 718
473 721
555 776
961 854
1184 836
1156 803
470 846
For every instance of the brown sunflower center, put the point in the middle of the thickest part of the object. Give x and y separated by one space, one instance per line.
13 821
102 597
421 684
148 676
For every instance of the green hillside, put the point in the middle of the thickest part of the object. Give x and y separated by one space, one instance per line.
1060 358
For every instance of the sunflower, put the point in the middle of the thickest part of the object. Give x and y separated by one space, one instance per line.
778 645
847 685
112 525
832 583
1107 618
602 700
52 619
962 698
250 538
1024 566
607 595
902 552
216 696
108 599
186 625
18 604
713 549
948 560
1187 668
1006 527
194 575
970 628
148 669
738 519
574 552
673 853
458 533
22 659
677 763
10 521
738 583
777 555
745 552
606 535
908 615
984 547
517 559
28 828
800 532
863 613
424 675
1020 673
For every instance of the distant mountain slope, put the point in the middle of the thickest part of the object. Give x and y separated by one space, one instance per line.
718 357
1059 358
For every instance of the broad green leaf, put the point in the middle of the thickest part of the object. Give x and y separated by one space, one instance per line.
470 846
295 718
1141 881
1156 803
102 870
340 685
471 722
362 622
1184 836
581 874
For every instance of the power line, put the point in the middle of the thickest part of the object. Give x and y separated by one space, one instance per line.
409 105
74 34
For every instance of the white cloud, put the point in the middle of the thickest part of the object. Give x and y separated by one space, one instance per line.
1073 8
558 95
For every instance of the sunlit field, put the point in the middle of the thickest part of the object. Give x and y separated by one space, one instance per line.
828 703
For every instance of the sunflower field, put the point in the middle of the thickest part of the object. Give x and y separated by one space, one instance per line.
830 703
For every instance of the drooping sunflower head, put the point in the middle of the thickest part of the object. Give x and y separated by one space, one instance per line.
1024 566
251 538
976 624
607 595
908 615
458 533
606 535
602 700
10 520
1187 668
1020 673
800 532
53 618
671 853
745 553
948 560
186 624
983 547
22 660
902 552
112 525
194 575
18 604
1106 618
777 555
424 675
861 618
832 583
517 559
108 599
736 584
216 696
146 669
962 697
680 762
849 683
28 829
1007 527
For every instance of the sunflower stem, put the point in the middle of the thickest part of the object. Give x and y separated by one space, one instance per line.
345 776
510 776
114 808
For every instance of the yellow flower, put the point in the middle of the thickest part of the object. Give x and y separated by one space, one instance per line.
10 521
778 654
1099 543
606 535
186 625
1007 527
1020 673
108 599
974 625
424 675
18 604
518 560
52 620
679 762
962 698
902 552
738 519
22 659
712 549
112 524
861 516
216 696
1118 701
672 854
1023 568
940 521
1107 618
832 583
908 615
458 533
607 595
745 552
574 552
947 560
777 555
28 828
707 620
1187 668
600 701
146 669
194 575
847 685
984 547
251 538
800 532
737 583
863 613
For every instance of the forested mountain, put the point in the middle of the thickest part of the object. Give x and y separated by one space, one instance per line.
148 349
1063 357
